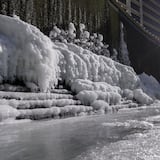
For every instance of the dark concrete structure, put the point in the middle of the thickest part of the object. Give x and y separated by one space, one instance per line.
142 33
145 12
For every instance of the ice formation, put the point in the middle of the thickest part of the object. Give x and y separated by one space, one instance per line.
83 84
83 38
88 97
97 81
100 105
142 97
26 54
124 54
79 63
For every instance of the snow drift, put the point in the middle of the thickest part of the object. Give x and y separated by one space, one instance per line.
26 54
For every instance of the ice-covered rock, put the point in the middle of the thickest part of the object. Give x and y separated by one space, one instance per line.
26 54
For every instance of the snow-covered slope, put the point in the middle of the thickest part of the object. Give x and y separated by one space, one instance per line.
26 54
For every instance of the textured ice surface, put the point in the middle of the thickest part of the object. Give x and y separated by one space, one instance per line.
26 54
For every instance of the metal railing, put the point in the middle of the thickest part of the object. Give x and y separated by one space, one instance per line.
144 18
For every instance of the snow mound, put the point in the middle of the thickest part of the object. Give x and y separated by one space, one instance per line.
26 54
150 85
7 112
88 97
81 84
100 105
142 97
128 94
79 63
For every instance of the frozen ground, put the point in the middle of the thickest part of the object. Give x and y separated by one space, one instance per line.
128 135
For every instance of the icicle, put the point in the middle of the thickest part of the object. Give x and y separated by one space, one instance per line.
124 54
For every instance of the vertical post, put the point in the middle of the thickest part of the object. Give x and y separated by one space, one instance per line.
128 4
141 12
